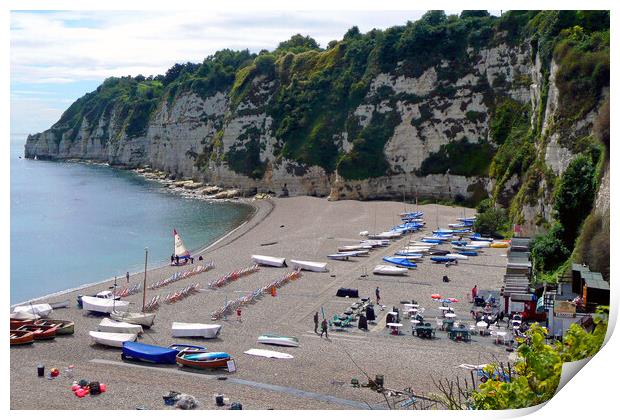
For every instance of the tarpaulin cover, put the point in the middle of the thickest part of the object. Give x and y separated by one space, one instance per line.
148 352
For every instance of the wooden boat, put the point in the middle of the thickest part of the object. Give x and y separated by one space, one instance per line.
389 270
112 339
19 337
141 318
270 261
109 325
203 359
40 332
183 329
309 266
16 323
278 340
64 327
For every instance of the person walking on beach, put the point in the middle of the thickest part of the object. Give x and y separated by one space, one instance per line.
377 293
474 293
316 322
172 259
324 328
127 276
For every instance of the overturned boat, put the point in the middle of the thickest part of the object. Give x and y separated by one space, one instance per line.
104 306
389 270
309 265
278 340
183 329
112 339
109 325
270 261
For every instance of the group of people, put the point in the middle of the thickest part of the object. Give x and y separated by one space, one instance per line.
174 259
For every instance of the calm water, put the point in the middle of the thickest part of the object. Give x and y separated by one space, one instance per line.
74 223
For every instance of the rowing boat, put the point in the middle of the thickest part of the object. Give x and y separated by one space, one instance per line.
202 359
19 337
40 332
64 327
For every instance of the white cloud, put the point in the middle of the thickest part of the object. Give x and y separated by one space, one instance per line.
69 46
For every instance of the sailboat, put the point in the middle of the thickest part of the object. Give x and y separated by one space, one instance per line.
143 318
181 255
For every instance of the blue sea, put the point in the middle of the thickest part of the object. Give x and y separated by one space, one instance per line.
75 223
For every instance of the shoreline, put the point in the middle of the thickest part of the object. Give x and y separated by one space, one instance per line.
201 250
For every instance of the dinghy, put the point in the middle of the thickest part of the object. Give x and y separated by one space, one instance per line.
278 340
389 270
109 325
182 347
203 359
149 353
442 259
499 245
19 337
468 253
309 266
268 353
270 261
401 262
40 332
112 339
347 248
183 329
376 242
342 255
459 243
456 256
439 252
180 253
481 244
63 327
40 309
105 306
140 318
409 255
420 243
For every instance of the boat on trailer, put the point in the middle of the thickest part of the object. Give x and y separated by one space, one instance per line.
270 261
202 359
279 340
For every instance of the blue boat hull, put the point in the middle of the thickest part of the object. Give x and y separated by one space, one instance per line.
149 353
401 262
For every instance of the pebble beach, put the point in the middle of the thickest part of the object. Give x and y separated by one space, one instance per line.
320 372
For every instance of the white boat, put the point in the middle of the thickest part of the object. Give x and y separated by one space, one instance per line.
41 309
481 244
95 304
112 339
376 242
180 251
109 325
347 248
386 235
106 294
342 256
309 265
364 233
457 256
23 315
268 353
270 261
139 318
278 340
183 329
420 243
389 270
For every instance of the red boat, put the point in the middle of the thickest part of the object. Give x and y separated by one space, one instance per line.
21 337
200 359
16 323
40 332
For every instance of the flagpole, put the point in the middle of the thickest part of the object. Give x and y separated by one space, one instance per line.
146 256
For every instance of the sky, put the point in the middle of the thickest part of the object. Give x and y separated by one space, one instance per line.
58 56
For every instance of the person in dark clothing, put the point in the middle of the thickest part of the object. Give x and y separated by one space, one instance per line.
316 322
200 258
324 328
176 259
378 295
127 276
192 260
172 259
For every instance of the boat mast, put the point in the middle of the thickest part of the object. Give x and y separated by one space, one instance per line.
146 256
